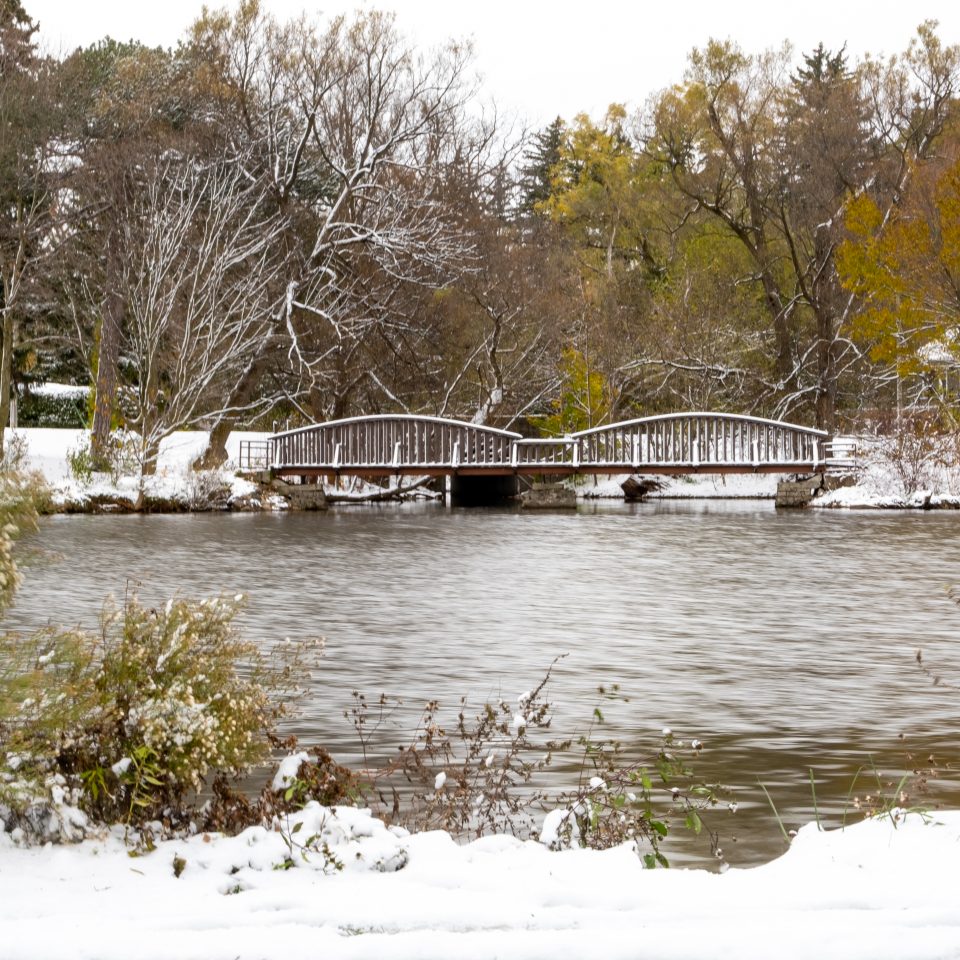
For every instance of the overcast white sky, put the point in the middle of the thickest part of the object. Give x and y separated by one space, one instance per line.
541 59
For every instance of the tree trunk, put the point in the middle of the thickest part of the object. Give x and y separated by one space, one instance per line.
216 453
243 394
6 371
105 392
825 298
826 406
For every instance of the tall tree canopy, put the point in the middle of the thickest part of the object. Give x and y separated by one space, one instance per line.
773 233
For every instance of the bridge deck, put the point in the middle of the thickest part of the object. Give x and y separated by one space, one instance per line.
531 470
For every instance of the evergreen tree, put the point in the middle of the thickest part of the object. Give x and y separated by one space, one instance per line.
823 68
22 193
541 158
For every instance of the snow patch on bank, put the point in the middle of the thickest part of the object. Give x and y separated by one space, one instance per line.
883 889
48 451
702 486
897 473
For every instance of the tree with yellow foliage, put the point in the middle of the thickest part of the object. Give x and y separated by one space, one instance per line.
904 269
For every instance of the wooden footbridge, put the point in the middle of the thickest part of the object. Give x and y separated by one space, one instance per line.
679 443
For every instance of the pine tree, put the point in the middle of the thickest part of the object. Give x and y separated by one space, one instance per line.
542 157
823 68
16 36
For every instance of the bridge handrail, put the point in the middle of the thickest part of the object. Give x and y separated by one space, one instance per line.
693 415
695 440
397 416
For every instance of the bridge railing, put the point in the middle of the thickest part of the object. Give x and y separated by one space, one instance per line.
842 453
686 441
255 455
392 442
700 439
551 451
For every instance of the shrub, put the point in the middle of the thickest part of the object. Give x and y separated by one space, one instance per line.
134 719
119 458
482 773
80 462
18 513
66 410
14 452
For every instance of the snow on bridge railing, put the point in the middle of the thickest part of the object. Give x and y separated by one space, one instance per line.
393 441
546 451
700 439
842 453
691 441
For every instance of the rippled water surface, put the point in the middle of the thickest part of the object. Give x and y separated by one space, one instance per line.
784 641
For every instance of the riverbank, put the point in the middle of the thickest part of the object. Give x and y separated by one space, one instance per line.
57 455
880 889
882 480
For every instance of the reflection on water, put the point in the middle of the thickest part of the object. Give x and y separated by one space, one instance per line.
784 641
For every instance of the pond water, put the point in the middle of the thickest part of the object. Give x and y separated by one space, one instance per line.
785 641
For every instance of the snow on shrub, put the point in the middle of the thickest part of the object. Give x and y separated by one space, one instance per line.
123 724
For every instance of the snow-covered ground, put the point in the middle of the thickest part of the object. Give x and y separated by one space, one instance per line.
879 889
49 451
885 477
709 486
897 474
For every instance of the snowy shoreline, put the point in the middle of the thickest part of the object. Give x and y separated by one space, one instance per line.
177 487
881 889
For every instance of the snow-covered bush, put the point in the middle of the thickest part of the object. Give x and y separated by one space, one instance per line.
136 717
907 466
915 459
127 723
53 405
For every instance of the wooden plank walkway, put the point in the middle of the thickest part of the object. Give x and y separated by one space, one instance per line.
679 443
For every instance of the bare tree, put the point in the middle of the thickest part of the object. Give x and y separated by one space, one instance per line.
347 129
198 282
